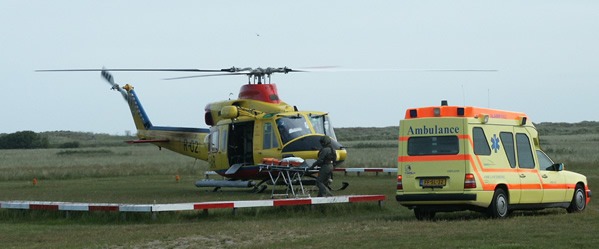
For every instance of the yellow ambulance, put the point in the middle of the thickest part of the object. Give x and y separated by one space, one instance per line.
468 158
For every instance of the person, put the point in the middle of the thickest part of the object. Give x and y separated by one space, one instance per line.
326 157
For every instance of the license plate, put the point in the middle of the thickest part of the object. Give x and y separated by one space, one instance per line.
433 182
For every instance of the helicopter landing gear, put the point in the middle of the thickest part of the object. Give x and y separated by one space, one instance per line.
259 188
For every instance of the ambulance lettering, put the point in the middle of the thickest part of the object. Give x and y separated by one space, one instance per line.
435 130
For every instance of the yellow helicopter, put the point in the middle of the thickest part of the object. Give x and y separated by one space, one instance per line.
242 132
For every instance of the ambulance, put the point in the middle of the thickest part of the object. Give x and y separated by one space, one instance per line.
468 158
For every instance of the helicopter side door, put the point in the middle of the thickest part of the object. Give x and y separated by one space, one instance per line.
240 145
217 147
268 140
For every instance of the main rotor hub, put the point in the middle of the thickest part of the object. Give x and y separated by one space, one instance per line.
261 92
259 74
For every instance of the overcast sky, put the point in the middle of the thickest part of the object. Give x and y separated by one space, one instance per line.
546 54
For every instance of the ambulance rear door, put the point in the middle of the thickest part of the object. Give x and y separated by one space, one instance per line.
431 156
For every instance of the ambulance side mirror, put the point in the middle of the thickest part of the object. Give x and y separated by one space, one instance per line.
556 167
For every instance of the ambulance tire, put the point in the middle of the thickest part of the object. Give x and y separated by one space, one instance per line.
579 200
499 207
424 214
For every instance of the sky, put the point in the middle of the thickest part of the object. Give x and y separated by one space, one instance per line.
546 54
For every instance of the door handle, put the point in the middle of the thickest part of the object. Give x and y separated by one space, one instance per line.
522 176
544 176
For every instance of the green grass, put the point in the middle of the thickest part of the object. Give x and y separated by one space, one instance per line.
341 226
94 162
371 154
85 139
144 174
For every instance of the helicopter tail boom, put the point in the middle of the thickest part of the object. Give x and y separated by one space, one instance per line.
142 122
183 140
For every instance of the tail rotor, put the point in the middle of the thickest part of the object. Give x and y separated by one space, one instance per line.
114 86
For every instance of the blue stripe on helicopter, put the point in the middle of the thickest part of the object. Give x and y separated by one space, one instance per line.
180 129
148 125
142 113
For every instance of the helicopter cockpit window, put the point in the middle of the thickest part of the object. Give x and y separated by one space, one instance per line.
270 139
292 127
322 125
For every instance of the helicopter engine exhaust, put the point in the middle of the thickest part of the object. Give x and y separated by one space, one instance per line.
224 183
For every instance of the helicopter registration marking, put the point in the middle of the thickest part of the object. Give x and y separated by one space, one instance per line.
191 146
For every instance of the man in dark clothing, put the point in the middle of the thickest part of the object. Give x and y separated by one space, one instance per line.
326 157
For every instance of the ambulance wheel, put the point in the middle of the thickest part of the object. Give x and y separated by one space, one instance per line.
579 200
424 214
499 207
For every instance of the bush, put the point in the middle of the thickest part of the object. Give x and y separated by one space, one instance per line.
68 145
23 140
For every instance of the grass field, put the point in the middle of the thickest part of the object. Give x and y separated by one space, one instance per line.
143 174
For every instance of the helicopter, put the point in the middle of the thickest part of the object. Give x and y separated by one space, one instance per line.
242 133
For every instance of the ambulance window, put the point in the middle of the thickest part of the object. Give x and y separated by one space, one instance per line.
507 139
481 146
437 145
525 159
544 161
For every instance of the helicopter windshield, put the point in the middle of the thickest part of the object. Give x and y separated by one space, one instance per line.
292 127
322 125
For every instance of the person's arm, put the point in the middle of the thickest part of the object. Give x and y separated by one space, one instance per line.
322 155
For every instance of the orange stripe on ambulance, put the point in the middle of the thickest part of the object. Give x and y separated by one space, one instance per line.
468 158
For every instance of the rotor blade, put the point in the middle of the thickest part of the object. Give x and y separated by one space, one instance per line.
133 70
114 86
394 70
298 70
318 67
205 75
108 77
